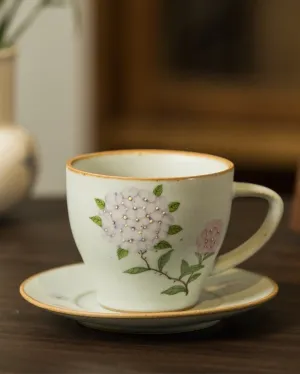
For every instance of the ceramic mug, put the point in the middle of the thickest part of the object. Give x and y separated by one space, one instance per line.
150 223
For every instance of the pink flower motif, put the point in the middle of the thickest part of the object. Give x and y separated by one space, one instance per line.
208 241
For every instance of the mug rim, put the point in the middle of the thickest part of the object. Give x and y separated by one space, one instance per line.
70 164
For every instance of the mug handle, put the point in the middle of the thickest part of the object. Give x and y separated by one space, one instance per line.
262 235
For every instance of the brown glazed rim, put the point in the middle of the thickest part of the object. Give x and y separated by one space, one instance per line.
71 167
142 315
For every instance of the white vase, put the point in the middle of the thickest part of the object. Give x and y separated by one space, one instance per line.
17 151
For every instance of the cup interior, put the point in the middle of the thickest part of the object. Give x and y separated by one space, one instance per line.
148 164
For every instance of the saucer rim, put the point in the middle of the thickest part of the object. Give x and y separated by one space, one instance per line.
143 315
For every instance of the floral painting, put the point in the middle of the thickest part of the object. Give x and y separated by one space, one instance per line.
208 240
138 221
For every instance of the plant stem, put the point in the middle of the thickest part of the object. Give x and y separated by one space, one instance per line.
3 11
76 14
165 274
8 18
27 22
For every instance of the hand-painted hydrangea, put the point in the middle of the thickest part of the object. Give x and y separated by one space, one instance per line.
209 239
136 220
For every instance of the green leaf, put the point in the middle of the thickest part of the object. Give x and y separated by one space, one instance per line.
100 203
193 277
184 269
199 256
173 206
187 269
158 190
7 15
174 229
97 220
162 245
195 268
207 255
174 290
163 260
136 270
121 253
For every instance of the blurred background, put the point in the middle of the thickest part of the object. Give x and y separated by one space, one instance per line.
218 76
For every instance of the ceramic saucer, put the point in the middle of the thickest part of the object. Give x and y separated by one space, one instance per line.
69 291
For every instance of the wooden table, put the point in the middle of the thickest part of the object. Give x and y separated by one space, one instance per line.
265 340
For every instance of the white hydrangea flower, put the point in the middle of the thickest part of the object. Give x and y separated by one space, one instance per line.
136 220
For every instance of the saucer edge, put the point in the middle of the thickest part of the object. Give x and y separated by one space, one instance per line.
142 315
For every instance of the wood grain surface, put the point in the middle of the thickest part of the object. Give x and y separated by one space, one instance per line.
265 340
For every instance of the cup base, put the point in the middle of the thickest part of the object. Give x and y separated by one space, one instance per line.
130 311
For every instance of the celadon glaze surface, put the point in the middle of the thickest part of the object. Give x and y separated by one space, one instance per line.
151 244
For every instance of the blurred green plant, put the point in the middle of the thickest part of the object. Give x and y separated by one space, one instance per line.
10 8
